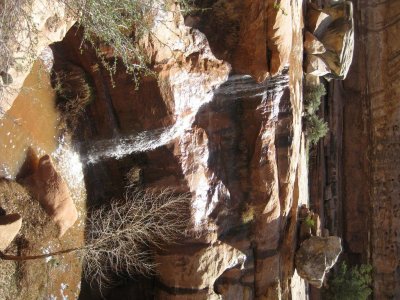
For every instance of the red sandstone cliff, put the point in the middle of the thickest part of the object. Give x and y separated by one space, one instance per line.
238 148
366 111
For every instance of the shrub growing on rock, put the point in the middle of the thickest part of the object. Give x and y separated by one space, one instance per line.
349 283
74 93
119 24
312 98
316 128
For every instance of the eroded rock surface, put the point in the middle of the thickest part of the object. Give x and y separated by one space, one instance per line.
196 270
9 228
372 118
53 194
316 257
334 28
255 37
230 141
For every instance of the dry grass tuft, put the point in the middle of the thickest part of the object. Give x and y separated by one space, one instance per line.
36 230
36 279
74 93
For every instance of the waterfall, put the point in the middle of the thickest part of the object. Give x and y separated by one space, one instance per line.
237 87
135 143
244 86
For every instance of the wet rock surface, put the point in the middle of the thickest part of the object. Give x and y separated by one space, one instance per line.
232 142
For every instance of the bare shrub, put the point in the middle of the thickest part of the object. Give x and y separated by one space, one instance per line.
119 235
122 236
107 24
15 22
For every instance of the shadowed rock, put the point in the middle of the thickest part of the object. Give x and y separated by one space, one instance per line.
316 257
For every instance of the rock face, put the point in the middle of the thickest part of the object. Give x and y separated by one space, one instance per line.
255 37
197 269
9 228
334 28
372 118
316 257
230 141
316 66
37 25
49 188
312 45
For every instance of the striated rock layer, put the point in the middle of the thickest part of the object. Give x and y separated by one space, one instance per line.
371 145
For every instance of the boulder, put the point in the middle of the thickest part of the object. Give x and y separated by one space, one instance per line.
339 40
316 19
316 257
334 28
316 66
197 268
9 228
53 194
312 45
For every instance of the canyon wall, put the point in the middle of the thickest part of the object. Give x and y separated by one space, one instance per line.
233 142
371 122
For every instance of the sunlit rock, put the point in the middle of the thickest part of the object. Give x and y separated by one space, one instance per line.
9 228
312 45
316 66
53 194
316 257
336 33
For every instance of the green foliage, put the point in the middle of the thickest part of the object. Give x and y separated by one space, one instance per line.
312 98
119 25
248 214
317 128
349 284
309 222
